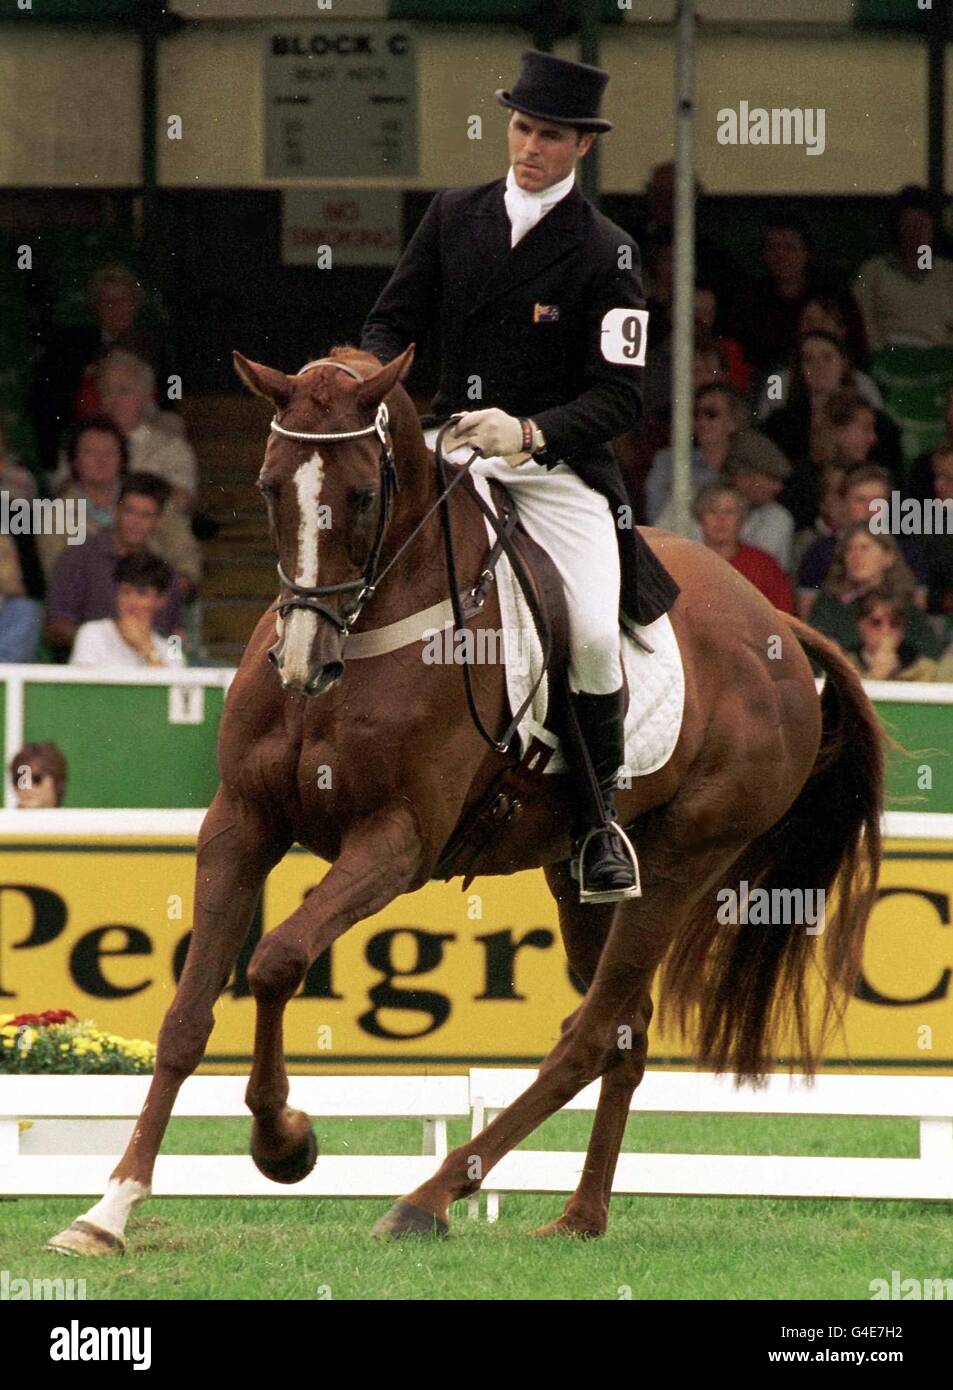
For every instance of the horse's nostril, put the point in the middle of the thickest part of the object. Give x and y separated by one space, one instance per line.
273 656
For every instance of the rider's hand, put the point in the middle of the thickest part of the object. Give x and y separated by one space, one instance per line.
492 433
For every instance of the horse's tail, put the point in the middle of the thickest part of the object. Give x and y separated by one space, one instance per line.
739 989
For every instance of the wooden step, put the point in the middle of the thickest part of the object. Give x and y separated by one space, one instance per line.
237 578
230 619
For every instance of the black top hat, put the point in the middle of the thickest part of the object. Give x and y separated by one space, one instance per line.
554 89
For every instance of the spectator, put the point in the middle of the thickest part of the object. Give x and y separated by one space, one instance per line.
823 313
720 511
829 518
83 590
938 546
811 437
38 773
21 616
22 581
720 413
97 461
57 401
860 489
714 262
769 312
906 296
759 470
126 385
865 561
708 334
143 582
883 653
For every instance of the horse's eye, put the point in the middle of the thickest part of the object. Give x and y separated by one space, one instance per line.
362 500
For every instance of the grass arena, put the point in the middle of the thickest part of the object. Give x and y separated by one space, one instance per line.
476 669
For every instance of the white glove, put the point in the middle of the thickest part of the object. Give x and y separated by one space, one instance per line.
492 433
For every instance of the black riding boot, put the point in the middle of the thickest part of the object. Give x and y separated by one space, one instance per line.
604 860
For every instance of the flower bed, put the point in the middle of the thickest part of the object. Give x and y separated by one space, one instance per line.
57 1042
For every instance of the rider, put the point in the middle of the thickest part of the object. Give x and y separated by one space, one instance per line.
537 298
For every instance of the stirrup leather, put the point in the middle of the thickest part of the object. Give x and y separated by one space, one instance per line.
611 895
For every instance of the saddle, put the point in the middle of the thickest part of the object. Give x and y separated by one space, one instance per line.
502 803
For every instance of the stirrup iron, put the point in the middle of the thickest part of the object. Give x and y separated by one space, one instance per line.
611 895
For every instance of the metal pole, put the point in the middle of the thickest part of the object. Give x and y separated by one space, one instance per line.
589 21
683 318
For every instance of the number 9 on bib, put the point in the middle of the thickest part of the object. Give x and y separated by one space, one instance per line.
624 336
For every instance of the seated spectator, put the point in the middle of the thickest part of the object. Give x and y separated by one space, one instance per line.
21 617
720 413
62 393
22 581
768 312
811 436
938 547
38 773
83 587
758 470
829 518
823 313
126 385
97 462
720 511
906 296
865 561
883 653
708 333
143 583
860 489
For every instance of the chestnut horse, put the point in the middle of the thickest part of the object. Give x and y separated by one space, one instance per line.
768 784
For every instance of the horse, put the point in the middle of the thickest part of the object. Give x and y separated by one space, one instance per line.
769 784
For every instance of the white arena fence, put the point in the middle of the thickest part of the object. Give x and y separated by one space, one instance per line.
61 1135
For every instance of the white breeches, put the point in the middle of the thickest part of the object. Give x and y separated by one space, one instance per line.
573 523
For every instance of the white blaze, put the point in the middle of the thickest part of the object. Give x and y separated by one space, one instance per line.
300 623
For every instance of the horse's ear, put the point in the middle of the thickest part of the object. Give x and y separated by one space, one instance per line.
264 381
373 390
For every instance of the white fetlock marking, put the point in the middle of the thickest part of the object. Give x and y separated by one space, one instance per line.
112 1211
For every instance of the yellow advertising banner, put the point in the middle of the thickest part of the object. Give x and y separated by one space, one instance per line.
439 980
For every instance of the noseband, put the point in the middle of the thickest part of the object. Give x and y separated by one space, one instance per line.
309 597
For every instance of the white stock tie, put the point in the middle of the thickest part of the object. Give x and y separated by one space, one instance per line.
525 209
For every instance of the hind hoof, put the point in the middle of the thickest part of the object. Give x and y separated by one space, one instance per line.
568 1228
294 1166
404 1219
83 1238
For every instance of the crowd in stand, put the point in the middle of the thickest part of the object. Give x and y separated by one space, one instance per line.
797 465
795 455
123 593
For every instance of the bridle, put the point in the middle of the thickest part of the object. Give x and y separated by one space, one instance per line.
308 597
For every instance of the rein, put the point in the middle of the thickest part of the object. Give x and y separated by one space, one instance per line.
309 597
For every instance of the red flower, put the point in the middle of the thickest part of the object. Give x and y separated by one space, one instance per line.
43 1020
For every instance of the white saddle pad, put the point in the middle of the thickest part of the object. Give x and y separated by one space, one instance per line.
656 679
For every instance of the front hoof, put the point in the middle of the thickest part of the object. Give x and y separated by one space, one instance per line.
294 1166
562 1227
404 1219
83 1238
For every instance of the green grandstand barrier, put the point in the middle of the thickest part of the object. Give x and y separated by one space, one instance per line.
127 747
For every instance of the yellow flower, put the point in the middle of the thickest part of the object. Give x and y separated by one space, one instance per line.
8 1031
5 1018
